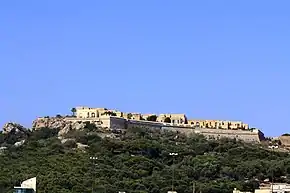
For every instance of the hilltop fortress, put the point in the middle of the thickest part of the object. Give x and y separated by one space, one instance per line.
117 120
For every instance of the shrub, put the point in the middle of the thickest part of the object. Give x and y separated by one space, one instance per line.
58 116
70 144
286 134
167 120
152 118
44 133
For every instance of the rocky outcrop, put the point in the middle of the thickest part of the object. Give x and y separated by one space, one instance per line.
65 140
54 123
19 143
285 140
2 150
14 128
60 123
14 134
82 146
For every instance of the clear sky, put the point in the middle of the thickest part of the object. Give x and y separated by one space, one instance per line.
208 59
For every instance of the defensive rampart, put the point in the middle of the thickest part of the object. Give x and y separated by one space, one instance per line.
244 135
119 123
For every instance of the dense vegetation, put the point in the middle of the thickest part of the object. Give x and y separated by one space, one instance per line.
137 162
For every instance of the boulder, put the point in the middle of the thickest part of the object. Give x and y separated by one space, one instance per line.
19 143
2 150
65 140
82 146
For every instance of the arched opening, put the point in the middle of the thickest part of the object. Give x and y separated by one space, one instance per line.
93 115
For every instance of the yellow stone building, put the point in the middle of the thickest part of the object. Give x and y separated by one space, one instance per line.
87 112
219 124
173 118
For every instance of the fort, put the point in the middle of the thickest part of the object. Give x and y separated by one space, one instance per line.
211 129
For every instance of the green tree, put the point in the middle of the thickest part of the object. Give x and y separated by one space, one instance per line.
286 134
152 118
129 116
73 110
110 113
167 120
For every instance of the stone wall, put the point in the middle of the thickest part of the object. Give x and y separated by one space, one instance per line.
119 123
186 130
115 123
143 124
244 135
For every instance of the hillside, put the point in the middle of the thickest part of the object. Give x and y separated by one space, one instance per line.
135 161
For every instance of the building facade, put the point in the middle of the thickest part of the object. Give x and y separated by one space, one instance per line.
87 112
27 186
269 188
219 124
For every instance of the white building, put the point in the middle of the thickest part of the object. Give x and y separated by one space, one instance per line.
275 188
27 186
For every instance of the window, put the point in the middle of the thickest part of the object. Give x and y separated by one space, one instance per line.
24 190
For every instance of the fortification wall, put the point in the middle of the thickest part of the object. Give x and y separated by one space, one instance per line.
144 124
244 135
186 130
119 123
116 123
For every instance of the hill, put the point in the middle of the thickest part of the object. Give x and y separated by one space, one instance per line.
135 161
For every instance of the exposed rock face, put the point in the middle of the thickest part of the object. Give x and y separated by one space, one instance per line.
2 150
58 123
19 143
285 140
14 128
65 140
82 146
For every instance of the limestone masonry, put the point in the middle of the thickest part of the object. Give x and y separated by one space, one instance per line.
115 119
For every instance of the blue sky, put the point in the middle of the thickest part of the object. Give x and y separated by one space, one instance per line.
208 59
